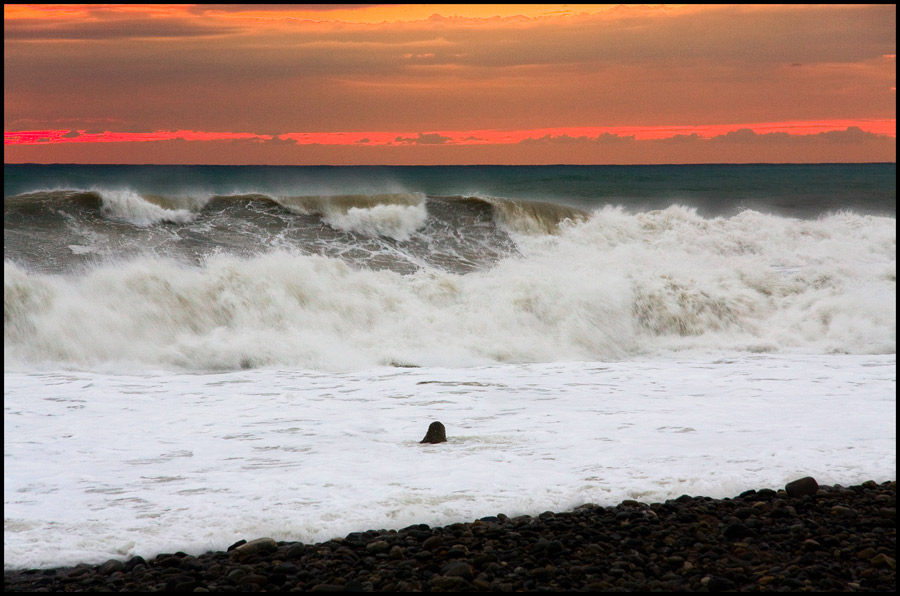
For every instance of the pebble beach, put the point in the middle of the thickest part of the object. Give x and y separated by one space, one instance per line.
803 537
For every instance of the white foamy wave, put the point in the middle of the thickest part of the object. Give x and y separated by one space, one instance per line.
310 312
394 215
533 217
129 206
330 454
750 282
614 287
330 204
394 221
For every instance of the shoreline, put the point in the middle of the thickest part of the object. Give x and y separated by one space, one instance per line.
804 537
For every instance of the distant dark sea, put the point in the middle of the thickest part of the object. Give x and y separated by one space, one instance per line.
714 189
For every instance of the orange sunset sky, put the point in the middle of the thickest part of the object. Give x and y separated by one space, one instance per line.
449 84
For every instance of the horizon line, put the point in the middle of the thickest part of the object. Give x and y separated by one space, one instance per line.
458 165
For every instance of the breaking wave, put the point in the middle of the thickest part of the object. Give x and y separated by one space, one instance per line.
605 286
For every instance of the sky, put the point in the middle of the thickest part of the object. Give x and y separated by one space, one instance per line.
431 84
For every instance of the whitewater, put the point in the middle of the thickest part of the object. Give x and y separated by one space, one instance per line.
186 369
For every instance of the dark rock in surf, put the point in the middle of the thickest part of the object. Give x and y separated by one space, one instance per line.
260 546
236 544
111 567
436 434
802 487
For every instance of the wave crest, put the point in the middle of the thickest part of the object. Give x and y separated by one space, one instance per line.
133 208
394 221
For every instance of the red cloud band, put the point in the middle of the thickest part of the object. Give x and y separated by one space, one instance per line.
471 137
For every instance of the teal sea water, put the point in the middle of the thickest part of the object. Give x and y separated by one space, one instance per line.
455 218
715 189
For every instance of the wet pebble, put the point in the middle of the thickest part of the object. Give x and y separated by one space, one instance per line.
820 538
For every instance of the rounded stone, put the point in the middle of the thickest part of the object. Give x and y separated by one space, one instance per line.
802 487
436 433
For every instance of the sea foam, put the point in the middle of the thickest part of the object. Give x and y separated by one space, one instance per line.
131 207
615 286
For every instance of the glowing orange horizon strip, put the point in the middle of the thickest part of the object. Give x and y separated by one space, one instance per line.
52 137
471 137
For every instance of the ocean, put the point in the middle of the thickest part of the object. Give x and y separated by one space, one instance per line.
195 355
